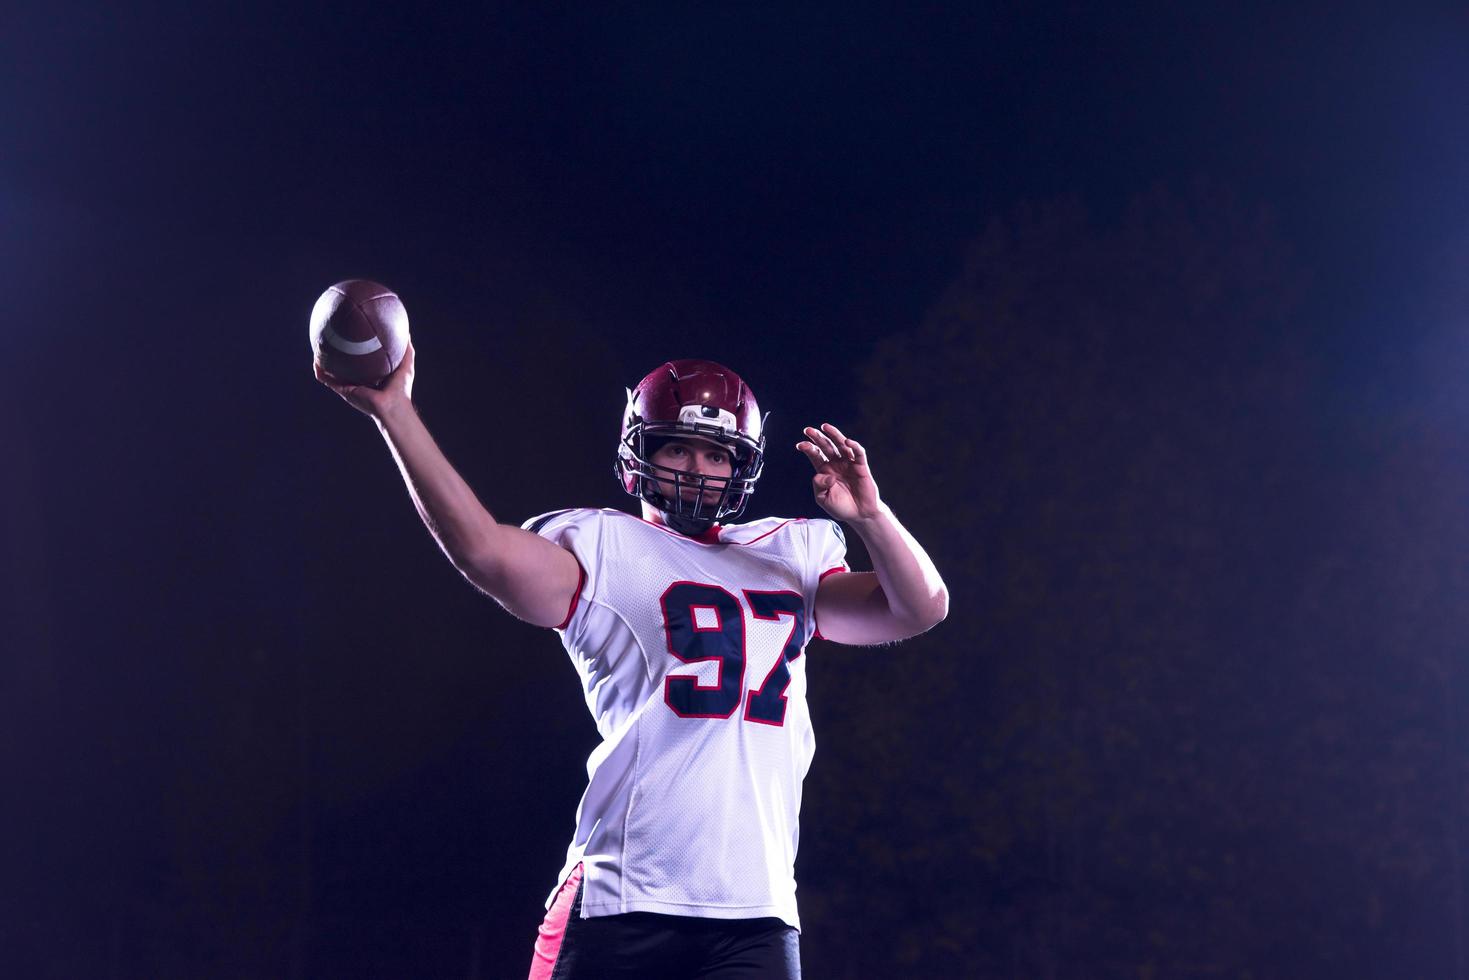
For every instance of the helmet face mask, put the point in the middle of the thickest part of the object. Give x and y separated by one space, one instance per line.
691 399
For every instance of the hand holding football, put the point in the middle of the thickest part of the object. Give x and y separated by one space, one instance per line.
359 330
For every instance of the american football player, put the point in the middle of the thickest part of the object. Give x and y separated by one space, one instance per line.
688 632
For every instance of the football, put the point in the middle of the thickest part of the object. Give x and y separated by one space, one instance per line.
359 331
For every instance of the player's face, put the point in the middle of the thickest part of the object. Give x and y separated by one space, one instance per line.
696 457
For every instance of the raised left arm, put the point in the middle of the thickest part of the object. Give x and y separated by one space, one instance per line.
904 594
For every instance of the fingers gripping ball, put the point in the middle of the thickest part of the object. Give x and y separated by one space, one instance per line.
359 330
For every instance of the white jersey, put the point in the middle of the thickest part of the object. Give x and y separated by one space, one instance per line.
690 657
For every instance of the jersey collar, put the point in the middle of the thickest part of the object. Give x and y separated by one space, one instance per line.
709 536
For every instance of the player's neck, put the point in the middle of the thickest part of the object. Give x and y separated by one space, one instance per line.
653 515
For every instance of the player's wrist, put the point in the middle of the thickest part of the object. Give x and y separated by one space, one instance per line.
871 517
390 412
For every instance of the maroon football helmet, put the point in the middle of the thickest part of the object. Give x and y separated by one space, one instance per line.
691 399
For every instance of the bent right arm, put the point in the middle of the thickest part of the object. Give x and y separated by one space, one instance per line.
531 577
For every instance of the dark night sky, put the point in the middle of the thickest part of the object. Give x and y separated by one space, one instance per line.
218 586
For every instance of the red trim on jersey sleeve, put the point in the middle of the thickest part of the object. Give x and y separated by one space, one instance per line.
581 579
767 533
819 579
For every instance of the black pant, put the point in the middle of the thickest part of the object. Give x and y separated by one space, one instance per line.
650 946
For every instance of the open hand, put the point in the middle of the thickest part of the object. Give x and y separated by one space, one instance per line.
395 391
843 483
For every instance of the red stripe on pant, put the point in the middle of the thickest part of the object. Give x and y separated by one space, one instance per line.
553 928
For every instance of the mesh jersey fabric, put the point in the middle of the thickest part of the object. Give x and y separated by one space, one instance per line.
692 799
